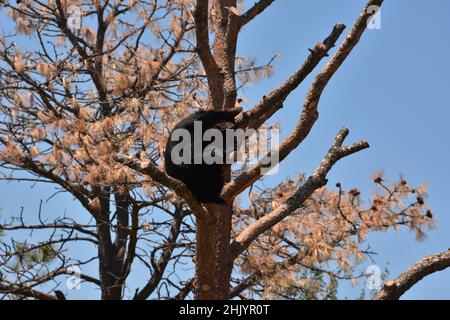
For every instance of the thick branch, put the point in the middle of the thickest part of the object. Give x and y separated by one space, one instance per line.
314 182
131 250
257 9
228 60
226 29
394 289
309 114
161 177
204 52
245 284
26 292
272 102
122 204
182 294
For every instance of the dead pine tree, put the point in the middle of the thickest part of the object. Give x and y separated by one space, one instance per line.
86 104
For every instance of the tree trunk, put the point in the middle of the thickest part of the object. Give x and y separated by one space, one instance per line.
109 268
213 271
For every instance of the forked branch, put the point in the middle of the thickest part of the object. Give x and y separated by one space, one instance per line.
309 113
315 181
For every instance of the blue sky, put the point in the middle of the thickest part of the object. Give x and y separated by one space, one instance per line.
392 91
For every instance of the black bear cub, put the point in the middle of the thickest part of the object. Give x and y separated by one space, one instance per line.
205 181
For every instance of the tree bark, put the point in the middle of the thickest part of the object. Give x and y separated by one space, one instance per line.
213 270
394 289
109 259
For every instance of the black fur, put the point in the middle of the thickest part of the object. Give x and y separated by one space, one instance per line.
204 180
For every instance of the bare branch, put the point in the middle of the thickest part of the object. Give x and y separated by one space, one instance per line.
185 290
26 292
272 102
162 178
309 114
394 289
228 57
251 13
167 250
204 51
314 182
